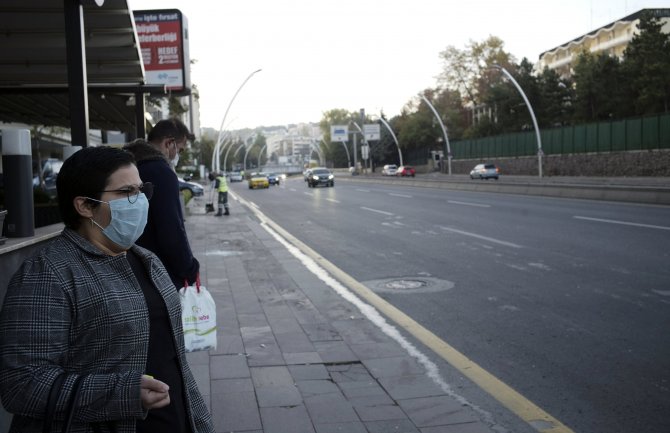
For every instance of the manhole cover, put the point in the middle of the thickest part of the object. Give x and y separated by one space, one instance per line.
409 285
405 284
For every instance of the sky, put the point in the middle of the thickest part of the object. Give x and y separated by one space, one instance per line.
318 55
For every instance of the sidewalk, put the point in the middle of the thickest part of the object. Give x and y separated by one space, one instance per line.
293 356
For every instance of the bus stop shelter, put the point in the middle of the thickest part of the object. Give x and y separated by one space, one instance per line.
72 63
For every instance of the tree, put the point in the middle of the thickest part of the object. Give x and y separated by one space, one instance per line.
334 151
556 94
646 65
598 88
464 69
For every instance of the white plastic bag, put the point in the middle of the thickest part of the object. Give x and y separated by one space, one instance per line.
198 316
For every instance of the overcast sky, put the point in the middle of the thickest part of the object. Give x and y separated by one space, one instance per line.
318 55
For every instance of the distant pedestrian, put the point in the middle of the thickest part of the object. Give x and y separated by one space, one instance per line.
221 185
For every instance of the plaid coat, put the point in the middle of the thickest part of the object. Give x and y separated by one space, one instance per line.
71 308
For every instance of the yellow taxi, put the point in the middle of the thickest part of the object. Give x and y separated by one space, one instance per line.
258 180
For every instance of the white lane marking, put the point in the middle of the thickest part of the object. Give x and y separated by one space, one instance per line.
625 223
254 205
363 190
468 204
484 238
292 189
400 195
333 200
308 193
378 211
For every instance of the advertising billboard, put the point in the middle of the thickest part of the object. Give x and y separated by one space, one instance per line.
163 36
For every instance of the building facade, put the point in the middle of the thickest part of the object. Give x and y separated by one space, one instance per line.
611 39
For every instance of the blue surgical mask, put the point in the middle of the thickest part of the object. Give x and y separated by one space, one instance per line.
128 220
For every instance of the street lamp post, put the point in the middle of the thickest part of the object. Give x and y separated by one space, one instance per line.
385 123
246 153
444 131
225 158
215 162
259 155
532 115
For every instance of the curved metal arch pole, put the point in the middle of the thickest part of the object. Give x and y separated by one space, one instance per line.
225 159
226 114
322 151
346 149
261 153
444 131
246 153
540 152
381 119
218 149
224 143
316 149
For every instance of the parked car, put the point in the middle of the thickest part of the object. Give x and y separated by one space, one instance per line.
44 177
273 179
485 171
389 170
195 188
320 176
258 180
236 176
405 170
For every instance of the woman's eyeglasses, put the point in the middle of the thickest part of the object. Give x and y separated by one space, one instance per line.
132 192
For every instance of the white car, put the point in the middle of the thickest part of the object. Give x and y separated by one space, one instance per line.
485 171
390 170
236 176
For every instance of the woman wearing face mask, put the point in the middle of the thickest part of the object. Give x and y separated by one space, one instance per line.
165 234
93 305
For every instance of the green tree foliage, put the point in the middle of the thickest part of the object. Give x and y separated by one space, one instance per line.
599 87
203 148
464 69
334 151
555 103
646 67
420 129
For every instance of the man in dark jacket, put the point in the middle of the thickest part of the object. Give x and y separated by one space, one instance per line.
165 234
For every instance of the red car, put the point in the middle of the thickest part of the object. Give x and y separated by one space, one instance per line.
405 170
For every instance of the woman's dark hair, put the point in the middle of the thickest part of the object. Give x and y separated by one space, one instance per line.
85 174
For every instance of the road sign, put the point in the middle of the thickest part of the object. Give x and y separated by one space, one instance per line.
339 133
371 131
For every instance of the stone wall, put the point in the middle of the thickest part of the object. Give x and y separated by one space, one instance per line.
654 163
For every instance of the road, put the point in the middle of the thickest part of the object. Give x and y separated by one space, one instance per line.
566 301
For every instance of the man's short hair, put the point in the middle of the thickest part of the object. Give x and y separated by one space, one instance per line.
169 128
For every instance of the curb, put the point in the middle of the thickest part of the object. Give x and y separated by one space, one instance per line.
659 195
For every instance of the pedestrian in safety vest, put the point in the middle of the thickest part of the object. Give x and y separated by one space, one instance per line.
222 186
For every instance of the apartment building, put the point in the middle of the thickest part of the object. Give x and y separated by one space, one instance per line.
612 39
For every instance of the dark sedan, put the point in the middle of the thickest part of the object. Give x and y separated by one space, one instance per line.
320 176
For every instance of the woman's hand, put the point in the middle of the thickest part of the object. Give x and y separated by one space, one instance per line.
153 393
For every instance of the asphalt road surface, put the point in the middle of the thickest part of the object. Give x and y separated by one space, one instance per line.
566 301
